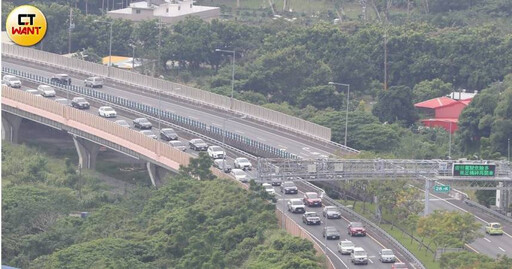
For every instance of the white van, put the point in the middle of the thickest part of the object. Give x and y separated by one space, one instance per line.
12 81
93 82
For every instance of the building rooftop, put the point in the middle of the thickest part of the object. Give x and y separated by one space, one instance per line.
436 102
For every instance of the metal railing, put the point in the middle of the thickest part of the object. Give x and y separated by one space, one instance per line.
395 244
207 131
488 211
294 229
205 98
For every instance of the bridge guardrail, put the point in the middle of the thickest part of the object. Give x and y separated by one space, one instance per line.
206 98
488 211
410 257
147 146
248 144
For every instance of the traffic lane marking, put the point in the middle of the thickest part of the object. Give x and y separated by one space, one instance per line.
487 240
473 249
462 209
501 249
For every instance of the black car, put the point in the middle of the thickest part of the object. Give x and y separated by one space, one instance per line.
331 233
288 187
198 144
168 134
142 123
61 79
80 102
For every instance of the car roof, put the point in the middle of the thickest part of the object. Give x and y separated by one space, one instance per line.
346 241
295 199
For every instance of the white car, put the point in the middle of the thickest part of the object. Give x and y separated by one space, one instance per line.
240 175
34 92
243 163
149 133
296 206
123 123
387 255
63 101
107 112
345 247
93 82
46 91
268 188
12 81
216 152
178 145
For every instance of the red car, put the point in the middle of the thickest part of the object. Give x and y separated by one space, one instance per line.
356 228
312 199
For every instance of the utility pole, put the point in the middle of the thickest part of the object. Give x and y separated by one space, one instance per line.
71 26
385 61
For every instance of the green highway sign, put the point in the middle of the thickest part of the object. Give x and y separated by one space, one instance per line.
438 188
473 170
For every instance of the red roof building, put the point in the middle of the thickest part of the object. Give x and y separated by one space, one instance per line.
444 112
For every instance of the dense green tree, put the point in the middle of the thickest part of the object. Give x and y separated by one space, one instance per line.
426 90
449 228
199 167
395 105
456 260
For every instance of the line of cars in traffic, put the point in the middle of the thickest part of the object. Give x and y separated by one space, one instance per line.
346 247
167 134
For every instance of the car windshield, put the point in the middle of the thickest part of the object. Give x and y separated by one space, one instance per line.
288 184
80 99
496 226
296 202
312 214
168 131
347 244
242 160
330 229
216 148
387 252
331 208
143 120
108 108
44 87
356 225
198 141
312 195
359 253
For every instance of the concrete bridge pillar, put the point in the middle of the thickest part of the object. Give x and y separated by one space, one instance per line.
156 173
10 127
503 196
87 152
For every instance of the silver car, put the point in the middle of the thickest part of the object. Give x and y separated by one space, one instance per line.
387 255
346 247
149 133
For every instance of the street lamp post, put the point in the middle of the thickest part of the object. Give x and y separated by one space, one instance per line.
508 151
346 114
232 74
109 46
